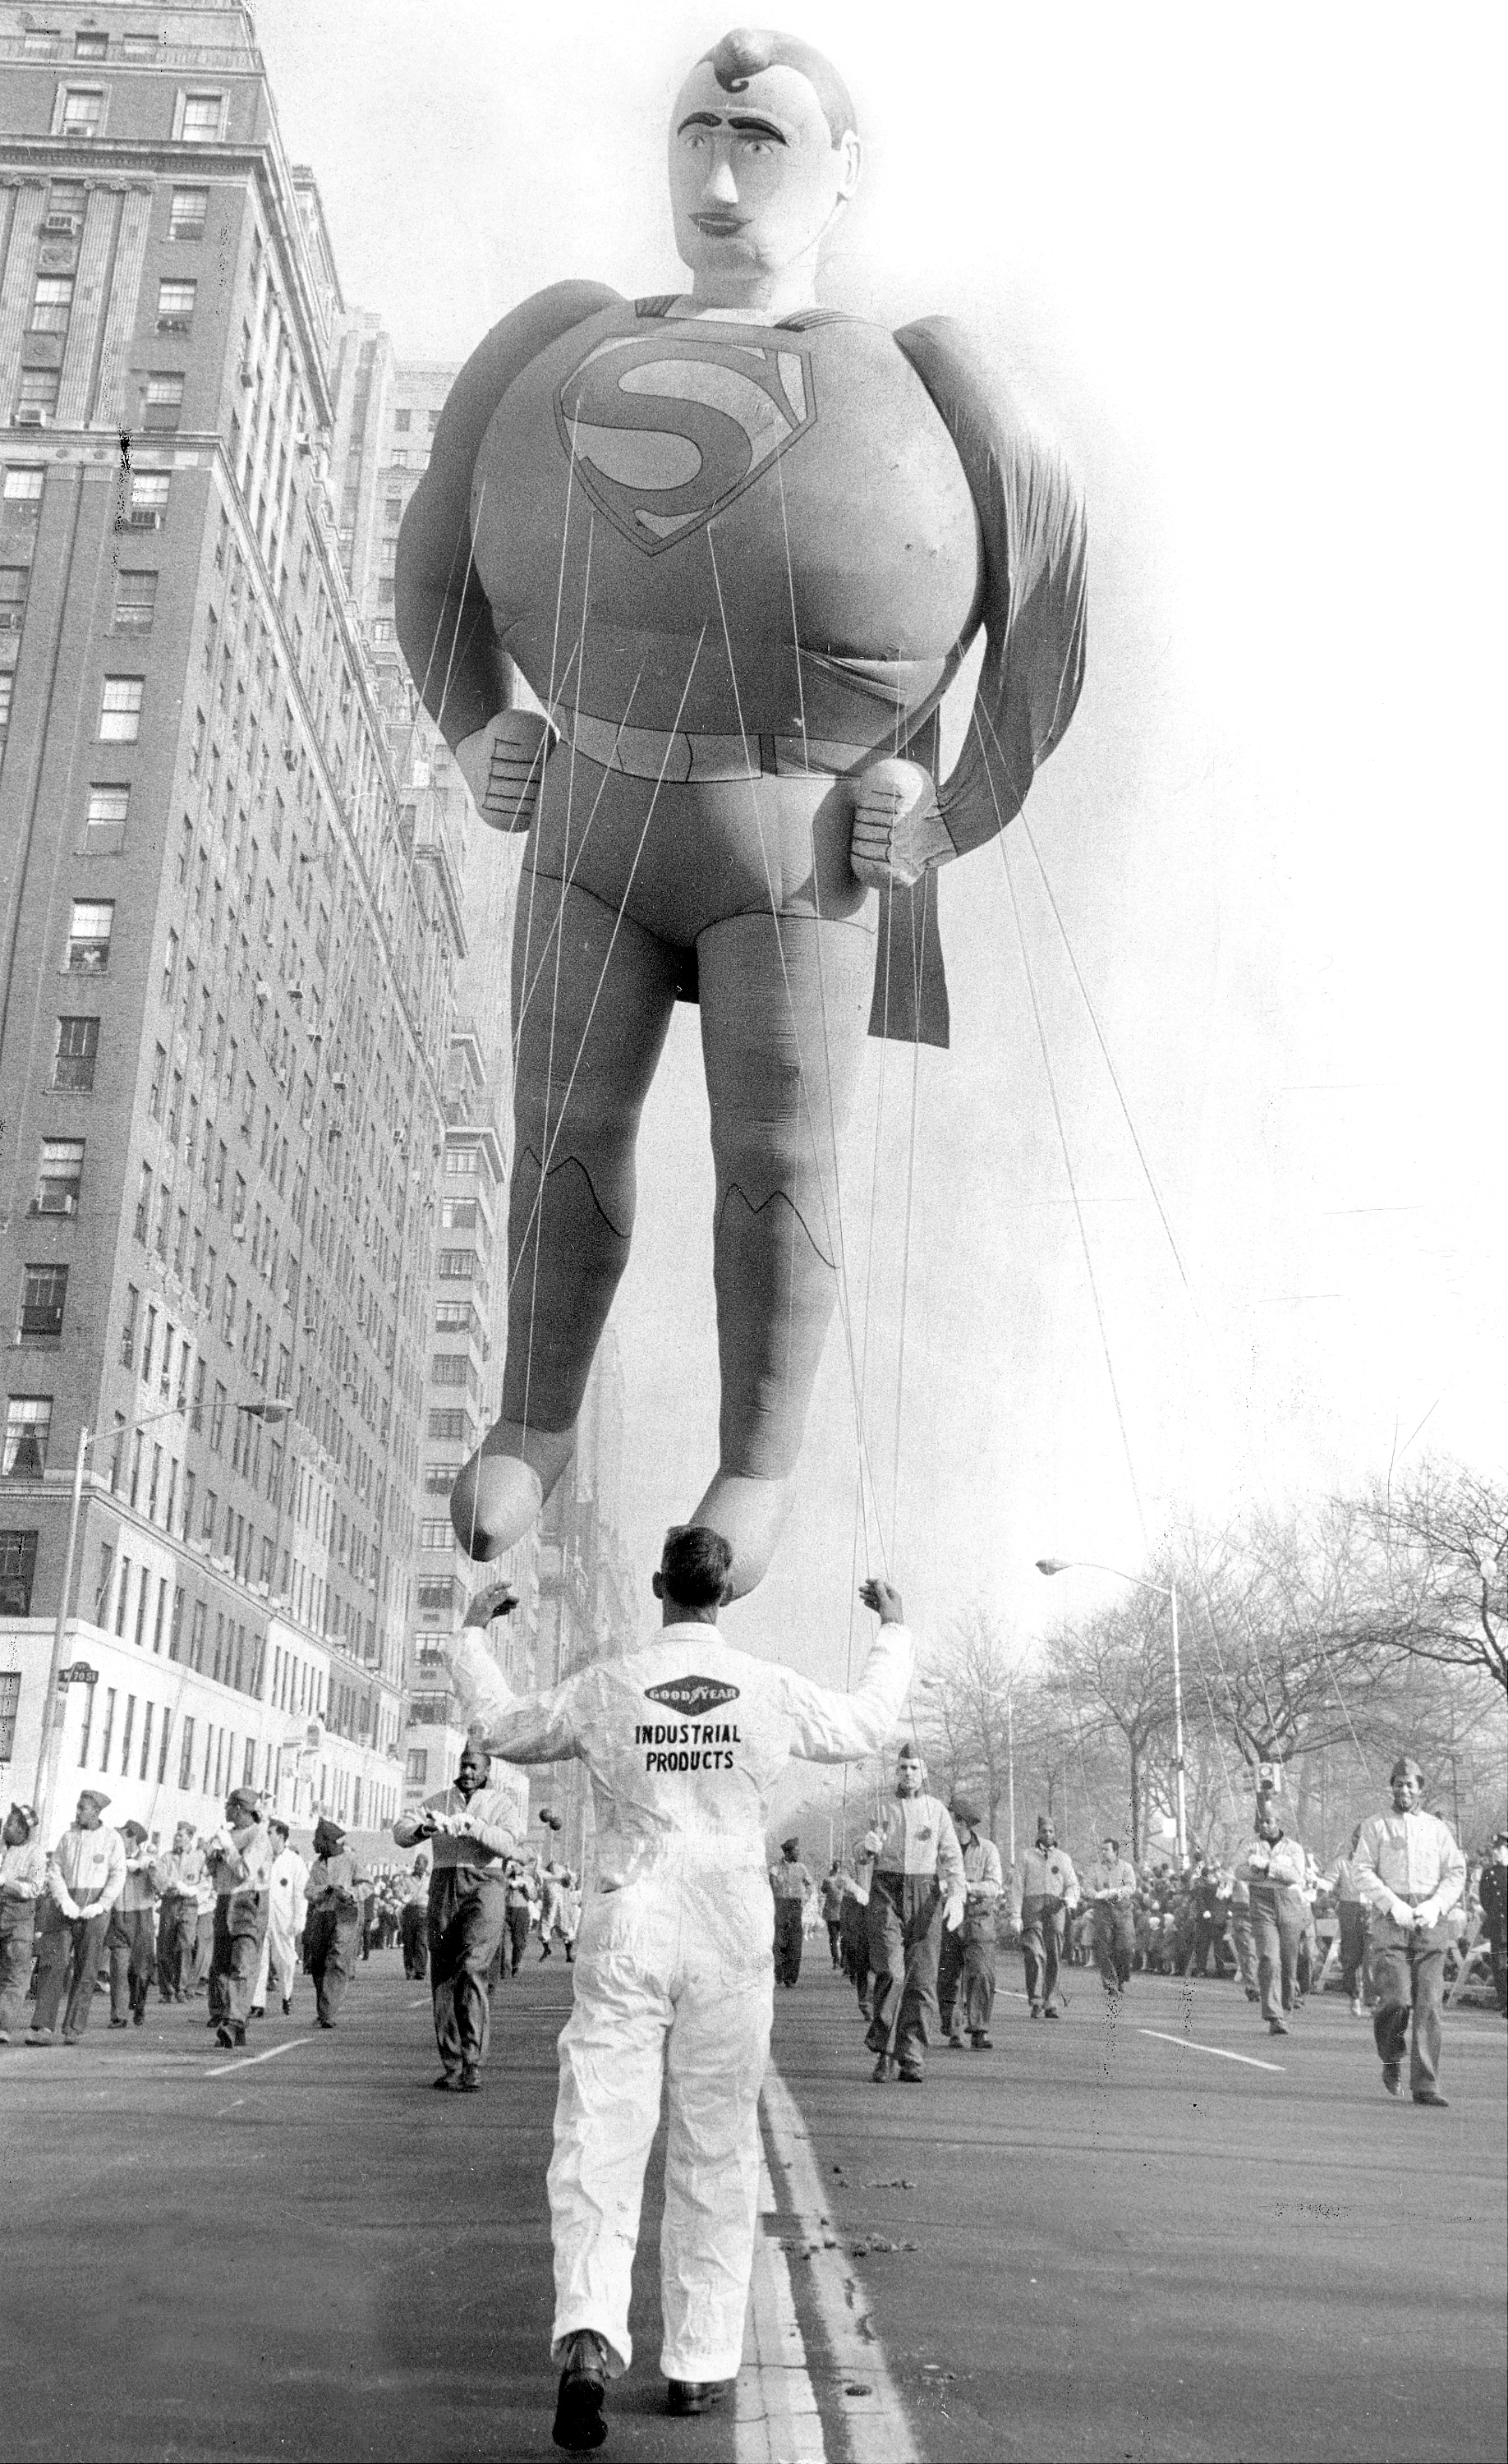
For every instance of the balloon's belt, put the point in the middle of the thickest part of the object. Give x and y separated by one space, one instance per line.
649 753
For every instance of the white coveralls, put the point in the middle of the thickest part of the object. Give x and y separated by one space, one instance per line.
685 1741
287 1886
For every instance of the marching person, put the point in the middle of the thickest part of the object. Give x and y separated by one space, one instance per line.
1350 1916
287 1886
555 1914
523 1896
1491 1892
917 1887
831 1893
1273 1870
239 1861
685 1739
1412 1874
1044 1891
1242 1939
23 1875
206 1899
413 1923
85 1877
854 1931
792 1885
178 1876
332 1920
965 1958
469 1830
1112 1886
131 1938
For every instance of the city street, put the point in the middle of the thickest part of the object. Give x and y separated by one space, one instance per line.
1098 2241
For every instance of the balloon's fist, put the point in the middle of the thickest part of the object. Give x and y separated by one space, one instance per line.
898 831
503 764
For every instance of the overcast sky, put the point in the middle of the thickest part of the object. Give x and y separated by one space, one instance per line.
1246 262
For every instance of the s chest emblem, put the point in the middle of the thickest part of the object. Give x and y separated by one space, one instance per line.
665 431
694 1695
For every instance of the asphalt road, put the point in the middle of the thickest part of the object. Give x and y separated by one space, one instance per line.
1086 2243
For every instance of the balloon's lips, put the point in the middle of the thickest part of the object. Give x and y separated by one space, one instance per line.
720 226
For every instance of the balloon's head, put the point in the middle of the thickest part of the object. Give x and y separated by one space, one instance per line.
764 154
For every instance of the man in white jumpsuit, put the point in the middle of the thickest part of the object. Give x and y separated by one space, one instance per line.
685 1741
287 1886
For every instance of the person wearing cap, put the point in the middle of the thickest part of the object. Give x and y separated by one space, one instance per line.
413 1922
1350 1916
554 1916
85 1877
831 1893
288 1882
177 1875
132 1935
470 1833
1492 1891
332 1920
916 1890
965 1958
1410 1872
1111 1887
23 1874
1044 1889
1274 1867
240 1860
792 1885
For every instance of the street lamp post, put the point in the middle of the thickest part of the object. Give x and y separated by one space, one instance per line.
1169 1593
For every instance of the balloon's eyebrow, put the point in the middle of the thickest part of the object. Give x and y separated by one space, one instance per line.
757 128
741 122
700 120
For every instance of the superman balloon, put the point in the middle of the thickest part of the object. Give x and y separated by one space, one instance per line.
737 544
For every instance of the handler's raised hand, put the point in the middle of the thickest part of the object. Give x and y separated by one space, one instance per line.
898 831
883 1599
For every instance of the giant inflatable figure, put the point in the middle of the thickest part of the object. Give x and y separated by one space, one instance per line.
737 546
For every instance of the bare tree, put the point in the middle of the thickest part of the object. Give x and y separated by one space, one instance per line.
1115 1674
1438 1560
969 1697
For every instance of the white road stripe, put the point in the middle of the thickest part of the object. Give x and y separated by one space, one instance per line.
875 2423
1188 2045
776 2420
290 2045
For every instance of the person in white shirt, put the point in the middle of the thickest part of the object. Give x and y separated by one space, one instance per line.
1111 1886
1412 1874
1350 1913
792 1885
85 1877
1044 1890
23 1875
966 1964
916 1889
239 1860
1273 1870
470 1830
288 1888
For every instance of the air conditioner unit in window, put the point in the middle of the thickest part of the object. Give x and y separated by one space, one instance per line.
31 416
10 620
143 517
174 326
60 226
78 136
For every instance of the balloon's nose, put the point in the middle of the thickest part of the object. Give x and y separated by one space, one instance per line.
722 188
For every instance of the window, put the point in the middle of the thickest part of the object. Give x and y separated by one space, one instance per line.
452 1317
186 1750
149 499
120 709
36 397
7 683
17 1569
202 117
402 421
140 47
436 1535
105 815
15 581
452 1369
416 1771
175 306
189 212
135 601
40 42
163 402
441 1478
44 1292
52 304
89 935
77 1050
91 47
84 111
23 486
450 1424
28 1427
58 1177
457 1214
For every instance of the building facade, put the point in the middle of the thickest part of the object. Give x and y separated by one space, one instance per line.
230 961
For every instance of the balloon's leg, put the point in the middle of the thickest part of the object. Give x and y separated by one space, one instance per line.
589 1033
784 1028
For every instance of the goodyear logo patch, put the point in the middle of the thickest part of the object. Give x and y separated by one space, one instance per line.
663 430
695 1696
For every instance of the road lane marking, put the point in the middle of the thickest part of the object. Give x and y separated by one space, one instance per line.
876 2427
775 2419
1188 2045
288 2046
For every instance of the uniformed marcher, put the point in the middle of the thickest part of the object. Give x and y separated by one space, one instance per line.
1412 1874
239 1860
1274 1868
1044 1891
965 1958
917 1888
85 1877
178 1876
471 1833
23 1874
831 1892
792 1885
332 1920
1491 1892
413 1922
1350 1916
131 1938
287 1886
1112 1886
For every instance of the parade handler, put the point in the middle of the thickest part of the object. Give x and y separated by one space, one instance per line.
917 1886
471 1833
685 1741
1412 1874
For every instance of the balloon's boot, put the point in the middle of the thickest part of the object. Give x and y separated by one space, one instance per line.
499 1494
750 1515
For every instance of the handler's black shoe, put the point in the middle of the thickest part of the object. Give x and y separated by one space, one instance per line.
578 2424
882 2070
1431 2095
913 2074
694 2395
1391 2081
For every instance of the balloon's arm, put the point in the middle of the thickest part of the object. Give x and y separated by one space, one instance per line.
1033 608
444 619
518 1727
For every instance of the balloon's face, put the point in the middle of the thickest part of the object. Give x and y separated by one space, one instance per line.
754 177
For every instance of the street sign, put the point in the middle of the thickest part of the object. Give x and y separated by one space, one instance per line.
79 1673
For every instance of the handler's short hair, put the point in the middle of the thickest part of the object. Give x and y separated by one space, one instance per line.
694 1565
